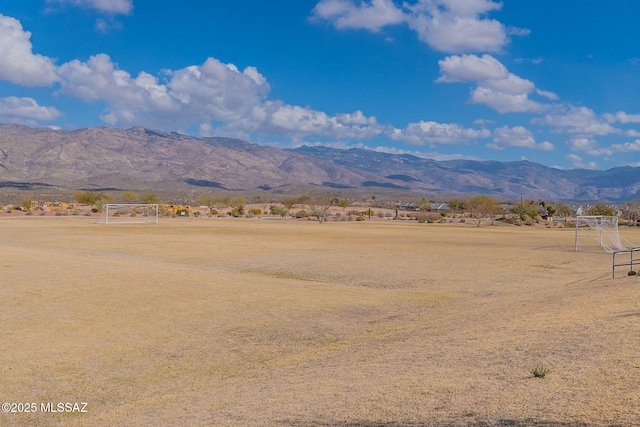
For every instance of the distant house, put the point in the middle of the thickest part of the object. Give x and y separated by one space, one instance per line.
408 206
440 207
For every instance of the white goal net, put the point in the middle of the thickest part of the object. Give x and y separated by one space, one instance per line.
600 230
129 213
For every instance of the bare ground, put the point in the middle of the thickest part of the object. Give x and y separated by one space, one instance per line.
231 322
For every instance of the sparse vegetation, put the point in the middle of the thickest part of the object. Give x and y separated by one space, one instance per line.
540 371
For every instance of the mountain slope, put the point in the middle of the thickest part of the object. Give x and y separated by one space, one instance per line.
499 179
142 159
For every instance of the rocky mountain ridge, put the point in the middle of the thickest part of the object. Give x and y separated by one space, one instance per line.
142 159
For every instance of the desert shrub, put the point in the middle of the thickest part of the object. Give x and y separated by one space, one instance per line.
255 211
427 217
301 214
528 220
359 218
540 371
236 212
117 214
213 212
182 212
133 214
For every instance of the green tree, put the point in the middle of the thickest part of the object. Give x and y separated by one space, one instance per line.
207 201
424 205
27 203
237 203
289 203
483 207
280 211
343 203
526 209
563 210
85 197
455 205
150 198
319 207
601 209
97 200
129 197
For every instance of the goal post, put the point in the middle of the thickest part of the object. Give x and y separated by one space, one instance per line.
129 213
602 230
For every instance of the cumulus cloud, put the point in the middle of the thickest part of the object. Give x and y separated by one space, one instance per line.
457 26
452 26
517 136
25 111
432 133
278 118
345 14
496 86
124 7
622 117
582 144
579 163
19 64
209 92
578 121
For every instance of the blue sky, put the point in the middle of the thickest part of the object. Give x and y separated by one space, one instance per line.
554 82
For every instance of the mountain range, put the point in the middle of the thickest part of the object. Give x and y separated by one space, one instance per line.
140 159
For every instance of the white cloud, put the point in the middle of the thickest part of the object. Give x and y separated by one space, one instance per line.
124 7
496 86
453 26
535 61
578 121
345 14
278 118
25 111
19 65
209 92
627 147
429 155
432 133
471 68
582 144
457 26
578 162
517 136
622 117
550 95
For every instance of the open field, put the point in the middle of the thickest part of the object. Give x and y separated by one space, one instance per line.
233 322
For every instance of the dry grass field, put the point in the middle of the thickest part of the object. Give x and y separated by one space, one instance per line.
248 322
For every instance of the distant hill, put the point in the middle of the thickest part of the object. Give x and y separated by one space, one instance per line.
498 179
142 159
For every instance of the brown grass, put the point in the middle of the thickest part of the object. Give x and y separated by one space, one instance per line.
232 322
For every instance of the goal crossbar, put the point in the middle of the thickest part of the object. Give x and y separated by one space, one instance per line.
129 213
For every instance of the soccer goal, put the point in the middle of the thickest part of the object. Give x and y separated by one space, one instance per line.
129 213
601 231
